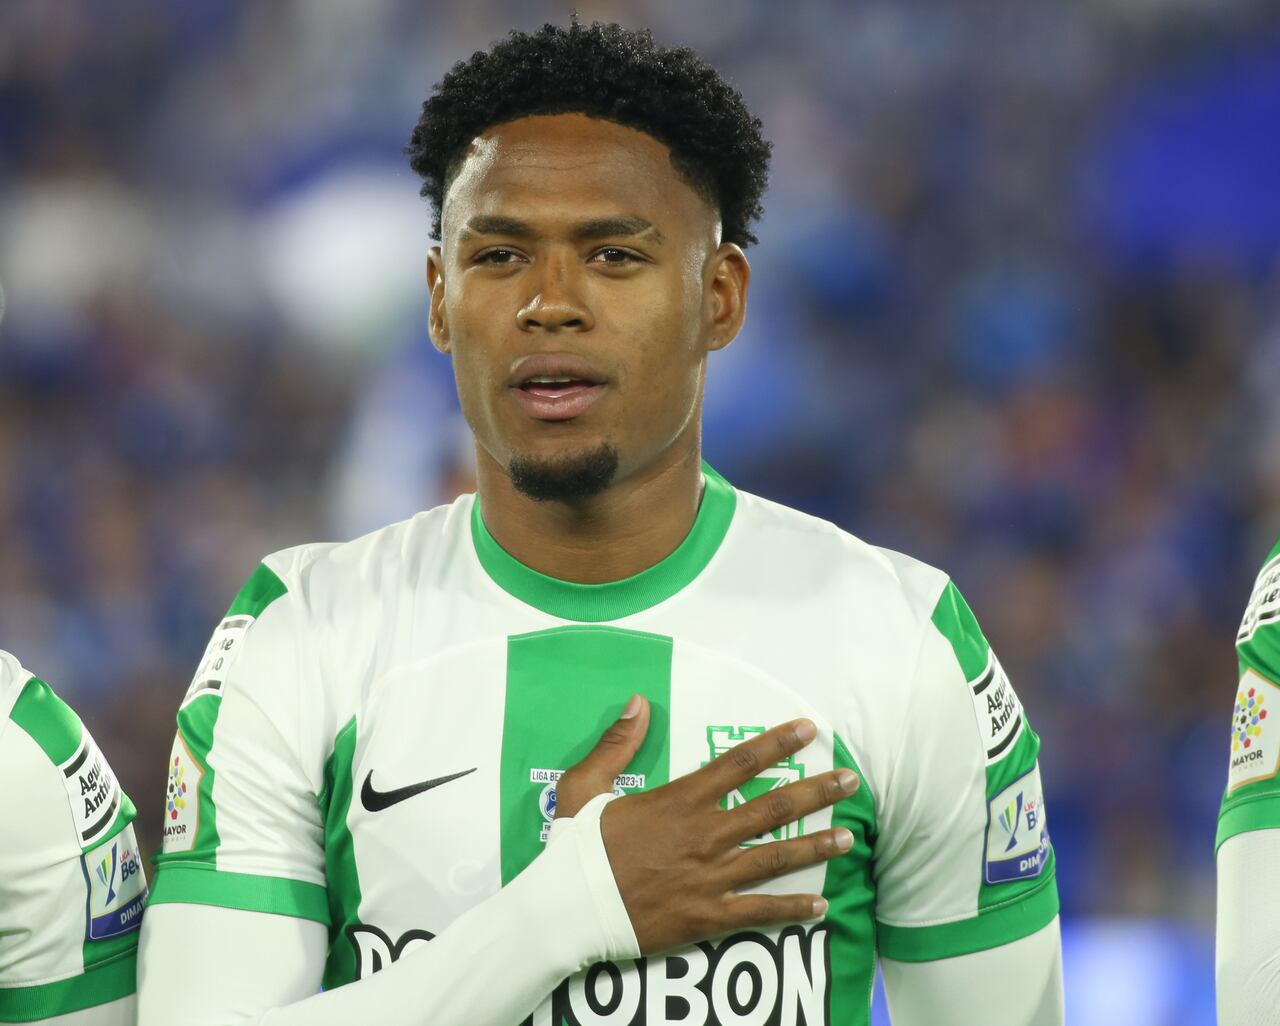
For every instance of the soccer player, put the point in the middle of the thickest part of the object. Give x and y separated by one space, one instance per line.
1248 843
373 742
72 886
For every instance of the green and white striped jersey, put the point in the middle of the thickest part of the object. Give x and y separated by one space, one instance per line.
373 738
1252 798
71 881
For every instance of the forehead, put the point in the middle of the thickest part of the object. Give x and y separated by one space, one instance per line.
563 166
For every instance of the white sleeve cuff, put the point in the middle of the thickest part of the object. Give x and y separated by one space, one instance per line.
615 925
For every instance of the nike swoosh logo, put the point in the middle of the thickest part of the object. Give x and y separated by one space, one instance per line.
376 801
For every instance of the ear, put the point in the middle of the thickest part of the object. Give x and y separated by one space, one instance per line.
437 320
730 275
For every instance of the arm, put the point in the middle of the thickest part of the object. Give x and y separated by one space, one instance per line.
491 966
71 881
966 899
1248 940
1016 984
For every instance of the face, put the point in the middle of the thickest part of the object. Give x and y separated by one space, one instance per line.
580 286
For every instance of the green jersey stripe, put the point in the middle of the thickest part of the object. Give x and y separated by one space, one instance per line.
198 883
851 892
259 591
103 983
573 682
1260 811
49 720
340 858
593 603
955 622
1000 924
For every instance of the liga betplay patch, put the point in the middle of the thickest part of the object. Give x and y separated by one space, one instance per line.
1255 738
117 887
1017 834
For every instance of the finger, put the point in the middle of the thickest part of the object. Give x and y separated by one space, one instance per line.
742 911
748 759
788 804
766 861
595 772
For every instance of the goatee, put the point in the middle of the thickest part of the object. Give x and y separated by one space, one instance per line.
567 478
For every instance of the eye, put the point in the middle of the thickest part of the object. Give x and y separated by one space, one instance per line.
497 256
616 256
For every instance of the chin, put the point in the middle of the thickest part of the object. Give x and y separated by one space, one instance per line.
565 476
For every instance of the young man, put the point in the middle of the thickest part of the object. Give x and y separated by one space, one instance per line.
377 732
1248 844
72 886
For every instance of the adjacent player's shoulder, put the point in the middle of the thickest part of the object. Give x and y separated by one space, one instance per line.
1258 639
802 550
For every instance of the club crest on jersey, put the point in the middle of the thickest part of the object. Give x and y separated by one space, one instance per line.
117 887
1255 738
623 783
1264 603
92 791
1017 834
788 771
182 798
998 711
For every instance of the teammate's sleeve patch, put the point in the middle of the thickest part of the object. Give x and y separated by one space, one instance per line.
998 711
1255 736
92 791
1264 603
117 887
1017 833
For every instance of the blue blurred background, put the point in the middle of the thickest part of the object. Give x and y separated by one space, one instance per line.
1016 311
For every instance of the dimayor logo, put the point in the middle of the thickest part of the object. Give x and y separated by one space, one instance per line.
1246 721
176 799
719 741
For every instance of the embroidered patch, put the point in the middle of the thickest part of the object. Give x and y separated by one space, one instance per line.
1255 736
117 887
1017 834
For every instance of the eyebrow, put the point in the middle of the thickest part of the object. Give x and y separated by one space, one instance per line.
597 228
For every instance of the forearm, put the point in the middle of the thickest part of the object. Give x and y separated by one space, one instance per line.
491 966
1016 984
1248 934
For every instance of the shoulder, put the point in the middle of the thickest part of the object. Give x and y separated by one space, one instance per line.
798 550
1258 639
51 729
403 554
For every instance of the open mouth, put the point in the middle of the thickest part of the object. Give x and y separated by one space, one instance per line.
556 386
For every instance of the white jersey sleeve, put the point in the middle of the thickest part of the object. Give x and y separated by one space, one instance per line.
1248 929
245 793
72 886
963 857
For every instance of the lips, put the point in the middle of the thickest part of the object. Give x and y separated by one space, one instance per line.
555 386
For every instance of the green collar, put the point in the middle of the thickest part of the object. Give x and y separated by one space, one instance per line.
593 603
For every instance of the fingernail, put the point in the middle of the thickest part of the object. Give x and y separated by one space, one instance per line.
806 731
819 907
632 709
847 780
844 839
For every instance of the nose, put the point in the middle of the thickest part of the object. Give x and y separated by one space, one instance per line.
556 304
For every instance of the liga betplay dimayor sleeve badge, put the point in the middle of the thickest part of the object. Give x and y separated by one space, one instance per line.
72 889
1252 797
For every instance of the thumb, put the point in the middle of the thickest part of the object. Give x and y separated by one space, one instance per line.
599 767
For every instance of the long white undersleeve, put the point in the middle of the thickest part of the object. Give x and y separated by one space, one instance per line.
1016 984
1248 935
206 966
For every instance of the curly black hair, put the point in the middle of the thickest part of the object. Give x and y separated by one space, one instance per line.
609 72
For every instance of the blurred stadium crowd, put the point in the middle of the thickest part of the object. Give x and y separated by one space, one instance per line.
1016 311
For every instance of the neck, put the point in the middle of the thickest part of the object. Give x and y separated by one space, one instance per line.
636 522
